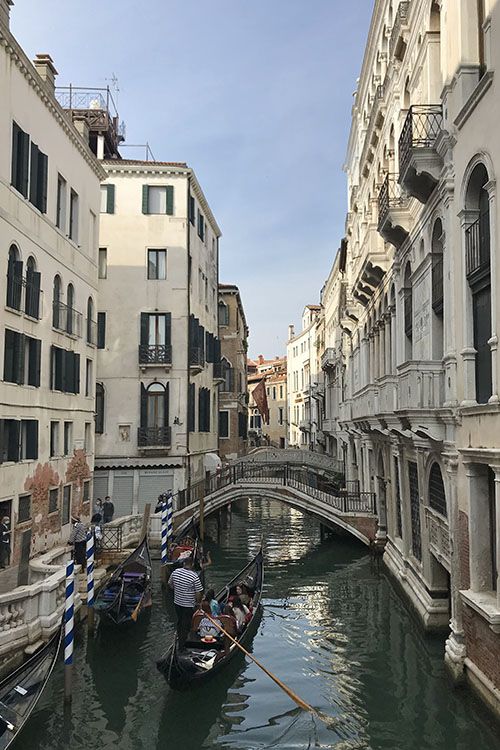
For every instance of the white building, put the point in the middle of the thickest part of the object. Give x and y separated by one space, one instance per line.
302 378
49 207
157 398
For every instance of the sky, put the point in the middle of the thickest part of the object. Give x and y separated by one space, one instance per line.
255 96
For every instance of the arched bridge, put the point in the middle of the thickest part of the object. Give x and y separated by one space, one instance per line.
343 509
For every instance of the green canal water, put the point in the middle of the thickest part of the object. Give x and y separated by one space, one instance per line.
333 629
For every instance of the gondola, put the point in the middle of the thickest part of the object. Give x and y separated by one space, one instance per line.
20 691
198 660
128 592
186 542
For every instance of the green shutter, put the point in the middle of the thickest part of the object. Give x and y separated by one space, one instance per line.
110 200
42 181
145 199
23 176
170 200
34 175
15 153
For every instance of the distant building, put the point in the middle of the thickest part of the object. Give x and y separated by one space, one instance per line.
302 378
233 409
273 371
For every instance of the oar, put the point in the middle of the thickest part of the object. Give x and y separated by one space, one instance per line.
273 677
135 613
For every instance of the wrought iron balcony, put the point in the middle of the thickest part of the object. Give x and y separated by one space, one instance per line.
219 374
477 251
328 359
196 358
392 211
154 437
419 163
155 354
397 43
91 326
66 319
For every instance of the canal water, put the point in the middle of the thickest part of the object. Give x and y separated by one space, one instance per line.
333 629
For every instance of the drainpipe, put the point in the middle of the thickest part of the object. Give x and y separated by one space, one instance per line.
188 379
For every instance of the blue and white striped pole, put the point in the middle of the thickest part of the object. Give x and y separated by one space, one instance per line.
170 517
69 628
90 580
164 540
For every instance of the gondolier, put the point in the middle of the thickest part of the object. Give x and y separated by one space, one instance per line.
188 591
78 538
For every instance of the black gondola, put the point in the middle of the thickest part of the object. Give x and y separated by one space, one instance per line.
128 591
185 542
198 660
20 691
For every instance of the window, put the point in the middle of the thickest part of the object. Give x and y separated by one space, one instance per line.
64 370
68 438
101 330
281 392
201 226
242 425
99 408
56 303
66 505
73 216
154 428
191 407
54 500
437 496
107 199
32 298
280 415
158 199
88 377
87 438
70 306
22 359
18 439
38 178
91 324
54 439
157 264
416 542
62 192
86 491
24 513
155 346
223 424
192 209
156 412
103 263
223 314
204 410
28 433
92 234
20 159
408 312
14 279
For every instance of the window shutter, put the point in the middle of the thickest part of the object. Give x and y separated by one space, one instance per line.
9 355
201 410
166 404
15 153
13 445
17 285
34 175
42 182
31 438
191 407
20 356
144 329
101 330
170 200
68 374
110 199
24 141
34 362
217 350
207 424
145 199
144 407
33 284
192 211
168 329
76 365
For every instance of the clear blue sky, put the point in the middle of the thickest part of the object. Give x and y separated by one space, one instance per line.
255 96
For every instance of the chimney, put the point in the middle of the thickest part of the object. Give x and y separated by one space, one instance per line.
260 359
45 68
83 128
5 6
291 332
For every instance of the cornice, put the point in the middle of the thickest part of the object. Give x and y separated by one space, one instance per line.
24 65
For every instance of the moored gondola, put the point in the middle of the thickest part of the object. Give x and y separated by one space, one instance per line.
20 691
185 543
199 659
128 592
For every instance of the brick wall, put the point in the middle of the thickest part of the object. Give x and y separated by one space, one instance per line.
483 646
463 549
367 526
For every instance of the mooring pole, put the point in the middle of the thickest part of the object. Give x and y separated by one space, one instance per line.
69 626
145 520
202 516
164 542
90 582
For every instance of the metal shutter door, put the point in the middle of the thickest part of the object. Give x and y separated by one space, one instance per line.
152 485
100 486
123 493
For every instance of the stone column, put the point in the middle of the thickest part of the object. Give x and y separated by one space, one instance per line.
455 643
375 354
479 531
381 328
468 353
496 469
493 341
388 337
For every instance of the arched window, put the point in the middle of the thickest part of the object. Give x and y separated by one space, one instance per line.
14 279
223 314
392 311
406 95
437 288
154 429
56 303
91 325
437 495
435 17
32 299
99 408
477 266
70 305
408 312
156 405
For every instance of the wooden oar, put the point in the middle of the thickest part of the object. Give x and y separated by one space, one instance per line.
273 677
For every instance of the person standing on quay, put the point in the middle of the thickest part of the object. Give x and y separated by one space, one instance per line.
108 510
188 592
78 538
4 542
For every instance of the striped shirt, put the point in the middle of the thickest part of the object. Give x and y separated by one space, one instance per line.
186 585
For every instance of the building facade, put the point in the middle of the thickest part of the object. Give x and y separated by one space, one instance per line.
274 431
158 351
413 360
49 210
233 408
304 410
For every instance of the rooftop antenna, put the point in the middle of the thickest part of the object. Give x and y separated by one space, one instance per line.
115 88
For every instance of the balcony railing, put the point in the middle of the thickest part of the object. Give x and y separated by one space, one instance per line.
423 124
66 319
91 327
477 250
155 354
400 20
328 358
390 196
32 295
150 437
196 358
220 369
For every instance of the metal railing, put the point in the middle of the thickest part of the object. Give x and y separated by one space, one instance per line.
196 356
390 196
328 358
423 124
81 97
111 538
32 295
155 354
400 20
220 369
477 249
66 319
91 332
154 436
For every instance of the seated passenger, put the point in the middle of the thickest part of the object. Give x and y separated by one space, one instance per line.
240 612
214 604
205 626
243 593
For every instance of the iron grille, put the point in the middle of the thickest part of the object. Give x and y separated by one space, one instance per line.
423 124
390 196
155 354
437 284
66 319
153 436
195 356
399 519
477 250
437 496
111 538
91 331
15 286
416 540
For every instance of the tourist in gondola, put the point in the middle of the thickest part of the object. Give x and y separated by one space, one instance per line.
240 612
215 607
78 538
188 591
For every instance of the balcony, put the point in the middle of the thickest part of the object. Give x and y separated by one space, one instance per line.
329 426
328 359
154 437
345 411
397 42
155 354
421 385
477 252
196 359
439 537
66 319
393 214
365 403
387 394
219 374
317 390
91 328
419 162
305 425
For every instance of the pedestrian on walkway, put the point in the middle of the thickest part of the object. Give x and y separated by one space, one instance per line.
97 514
5 542
108 510
188 591
78 538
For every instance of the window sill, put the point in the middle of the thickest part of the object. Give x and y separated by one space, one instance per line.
73 336
13 310
485 604
472 410
470 105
